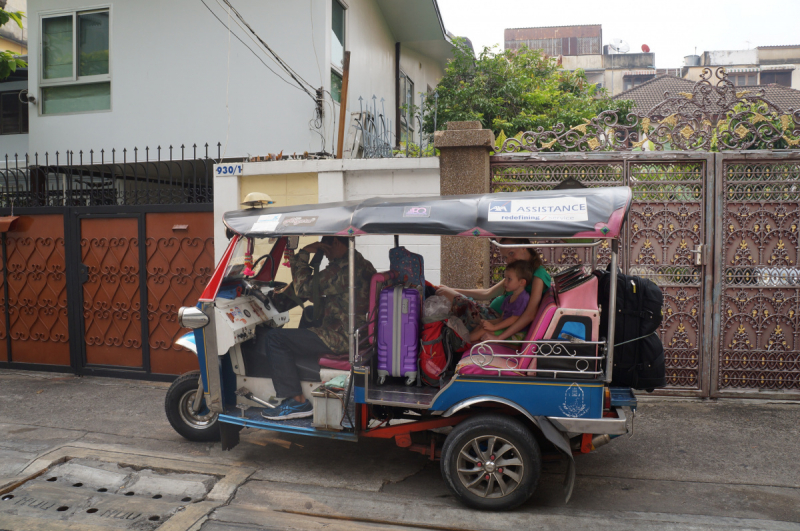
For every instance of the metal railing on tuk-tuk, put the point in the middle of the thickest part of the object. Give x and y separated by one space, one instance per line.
482 355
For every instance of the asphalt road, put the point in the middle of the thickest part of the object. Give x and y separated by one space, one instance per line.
691 464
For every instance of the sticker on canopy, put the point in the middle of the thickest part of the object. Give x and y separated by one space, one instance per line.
555 209
300 221
266 223
417 212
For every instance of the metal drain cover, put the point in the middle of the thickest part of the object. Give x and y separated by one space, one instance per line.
100 494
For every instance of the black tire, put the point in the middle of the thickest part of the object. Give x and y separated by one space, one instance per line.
202 427
468 445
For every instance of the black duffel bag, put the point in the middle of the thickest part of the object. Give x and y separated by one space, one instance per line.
638 352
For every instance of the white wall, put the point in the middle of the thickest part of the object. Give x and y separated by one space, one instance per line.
170 76
732 57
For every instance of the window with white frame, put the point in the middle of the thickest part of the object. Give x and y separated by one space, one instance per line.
338 26
74 75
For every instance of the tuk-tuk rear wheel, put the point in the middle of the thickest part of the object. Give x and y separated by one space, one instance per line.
491 462
197 426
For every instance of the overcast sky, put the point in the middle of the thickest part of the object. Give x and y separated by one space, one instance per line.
672 28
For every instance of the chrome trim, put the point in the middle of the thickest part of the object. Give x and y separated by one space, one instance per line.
487 398
481 355
544 244
612 311
211 350
191 317
601 426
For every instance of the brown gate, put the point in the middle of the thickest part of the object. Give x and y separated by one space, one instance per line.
665 239
758 270
101 255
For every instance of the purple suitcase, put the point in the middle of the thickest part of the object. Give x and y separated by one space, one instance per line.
398 333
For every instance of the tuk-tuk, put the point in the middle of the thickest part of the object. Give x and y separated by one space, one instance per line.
489 420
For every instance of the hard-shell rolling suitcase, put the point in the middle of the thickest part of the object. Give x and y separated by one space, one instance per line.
398 333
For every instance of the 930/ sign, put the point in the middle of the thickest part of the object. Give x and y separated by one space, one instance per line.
229 169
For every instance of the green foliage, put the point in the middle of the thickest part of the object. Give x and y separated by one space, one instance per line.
9 62
516 90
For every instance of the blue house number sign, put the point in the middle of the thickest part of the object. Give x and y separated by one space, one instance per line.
229 169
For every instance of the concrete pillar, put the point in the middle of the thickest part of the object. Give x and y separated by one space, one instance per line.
464 169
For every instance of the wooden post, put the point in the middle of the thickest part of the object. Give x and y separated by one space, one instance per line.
343 104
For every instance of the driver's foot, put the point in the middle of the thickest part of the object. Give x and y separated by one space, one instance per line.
289 409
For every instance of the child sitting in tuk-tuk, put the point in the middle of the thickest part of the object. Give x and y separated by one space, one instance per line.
518 275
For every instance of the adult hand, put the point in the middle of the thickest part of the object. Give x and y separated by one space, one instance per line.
489 327
444 291
488 337
315 247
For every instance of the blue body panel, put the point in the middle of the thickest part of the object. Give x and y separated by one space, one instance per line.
199 340
546 398
284 428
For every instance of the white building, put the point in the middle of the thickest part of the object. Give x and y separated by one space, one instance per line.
152 73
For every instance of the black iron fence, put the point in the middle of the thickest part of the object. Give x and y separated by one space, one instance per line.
137 177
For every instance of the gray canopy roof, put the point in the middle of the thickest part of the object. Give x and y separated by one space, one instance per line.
587 212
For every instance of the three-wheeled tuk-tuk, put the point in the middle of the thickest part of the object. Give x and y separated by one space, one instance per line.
491 416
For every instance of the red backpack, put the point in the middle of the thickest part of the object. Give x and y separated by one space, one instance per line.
436 351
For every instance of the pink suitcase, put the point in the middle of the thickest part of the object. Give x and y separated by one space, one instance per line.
398 333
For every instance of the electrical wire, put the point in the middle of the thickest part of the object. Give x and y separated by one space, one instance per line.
253 52
292 73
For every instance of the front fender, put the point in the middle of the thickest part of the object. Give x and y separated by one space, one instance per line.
188 342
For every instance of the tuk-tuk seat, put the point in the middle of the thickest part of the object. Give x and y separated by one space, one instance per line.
340 363
547 308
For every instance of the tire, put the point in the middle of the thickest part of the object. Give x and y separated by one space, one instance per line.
197 427
467 461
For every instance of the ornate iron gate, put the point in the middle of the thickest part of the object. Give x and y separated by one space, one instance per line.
758 248
717 231
668 225
100 257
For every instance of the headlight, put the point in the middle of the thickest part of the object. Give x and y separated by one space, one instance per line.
191 317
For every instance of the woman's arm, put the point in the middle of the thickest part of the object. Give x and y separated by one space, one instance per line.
492 326
530 311
478 294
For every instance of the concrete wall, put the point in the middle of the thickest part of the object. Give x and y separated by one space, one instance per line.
299 182
171 79
587 62
730 58
629 61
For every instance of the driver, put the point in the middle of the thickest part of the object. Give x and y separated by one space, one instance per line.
328 288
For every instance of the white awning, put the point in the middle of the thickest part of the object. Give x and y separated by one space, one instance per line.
777 67
741 70
639 73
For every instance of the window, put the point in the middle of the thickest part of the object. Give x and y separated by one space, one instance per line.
75 74
779 78
14 114
406 104
634 81
744 80
337 48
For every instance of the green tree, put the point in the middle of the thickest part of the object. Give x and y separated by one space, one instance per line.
9 62
516 90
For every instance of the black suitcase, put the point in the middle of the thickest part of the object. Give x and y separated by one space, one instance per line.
638 353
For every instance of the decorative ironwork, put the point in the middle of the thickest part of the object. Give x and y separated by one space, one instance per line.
718 116
111 299
760 340
127 177
37 293
665 228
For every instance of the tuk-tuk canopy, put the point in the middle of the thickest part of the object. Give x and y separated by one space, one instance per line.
585 212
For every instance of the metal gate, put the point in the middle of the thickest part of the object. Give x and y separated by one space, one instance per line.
716 231
101 256
665 238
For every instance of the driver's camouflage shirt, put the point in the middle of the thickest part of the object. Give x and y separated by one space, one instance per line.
333 286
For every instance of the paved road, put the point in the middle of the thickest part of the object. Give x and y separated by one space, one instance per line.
691 464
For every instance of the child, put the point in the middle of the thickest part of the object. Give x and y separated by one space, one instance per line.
518 275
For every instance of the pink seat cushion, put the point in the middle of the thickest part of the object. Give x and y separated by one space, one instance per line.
583 297
547 308
334 363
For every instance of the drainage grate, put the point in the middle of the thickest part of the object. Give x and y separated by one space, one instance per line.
103 494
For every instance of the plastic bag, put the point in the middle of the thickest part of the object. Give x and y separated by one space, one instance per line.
436 308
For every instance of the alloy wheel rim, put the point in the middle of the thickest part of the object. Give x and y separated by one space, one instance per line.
490 466
195 420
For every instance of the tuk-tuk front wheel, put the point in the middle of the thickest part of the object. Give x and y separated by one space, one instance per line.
197 426
491 462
